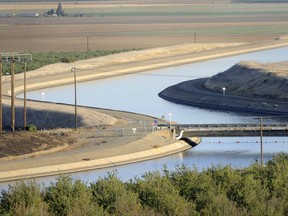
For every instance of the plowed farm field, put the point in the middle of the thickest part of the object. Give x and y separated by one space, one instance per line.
140 25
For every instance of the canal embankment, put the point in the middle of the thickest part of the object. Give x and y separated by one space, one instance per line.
194 93
43 81
146 148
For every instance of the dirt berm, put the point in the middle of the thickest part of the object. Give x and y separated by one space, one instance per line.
254 80
250 87
86 145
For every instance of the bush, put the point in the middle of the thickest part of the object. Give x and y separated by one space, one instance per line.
31 128
65 60
158 192
69 197
112 194
23 199
45 58
255 190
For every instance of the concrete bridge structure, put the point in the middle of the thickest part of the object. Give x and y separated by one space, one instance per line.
203 130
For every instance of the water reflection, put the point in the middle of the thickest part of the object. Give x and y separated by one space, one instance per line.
238 152
139 92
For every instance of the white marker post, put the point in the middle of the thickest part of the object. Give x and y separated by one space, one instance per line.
224 91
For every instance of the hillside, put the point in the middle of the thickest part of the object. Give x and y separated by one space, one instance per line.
253 80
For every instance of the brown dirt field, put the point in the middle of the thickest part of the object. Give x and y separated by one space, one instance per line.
141 32
21 143
98 4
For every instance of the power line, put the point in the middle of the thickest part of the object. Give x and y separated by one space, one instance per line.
12 58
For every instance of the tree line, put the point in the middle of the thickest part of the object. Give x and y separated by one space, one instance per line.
218 190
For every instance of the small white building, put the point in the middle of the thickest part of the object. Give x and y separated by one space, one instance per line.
30 15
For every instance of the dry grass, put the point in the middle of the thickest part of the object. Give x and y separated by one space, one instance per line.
254 79
123 58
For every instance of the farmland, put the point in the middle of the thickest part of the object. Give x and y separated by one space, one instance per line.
116 25
140 25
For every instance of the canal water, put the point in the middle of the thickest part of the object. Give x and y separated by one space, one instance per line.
139 93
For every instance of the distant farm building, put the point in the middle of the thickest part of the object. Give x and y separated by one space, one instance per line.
30 15
7 15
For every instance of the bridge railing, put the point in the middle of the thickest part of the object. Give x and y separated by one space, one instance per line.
231 127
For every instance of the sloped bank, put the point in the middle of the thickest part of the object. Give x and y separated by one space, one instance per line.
105 162
253 80
265 89
64 78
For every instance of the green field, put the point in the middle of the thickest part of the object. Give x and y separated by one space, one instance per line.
46 58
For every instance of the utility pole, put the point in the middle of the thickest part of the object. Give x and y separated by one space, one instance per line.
25 112
26 57
12 96
12 58
1 129
43 12
75 97
261 140
87 44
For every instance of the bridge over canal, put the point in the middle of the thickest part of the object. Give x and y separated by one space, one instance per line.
215 130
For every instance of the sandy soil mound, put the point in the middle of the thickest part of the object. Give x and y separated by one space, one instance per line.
51 115
24 143
142 55
253 79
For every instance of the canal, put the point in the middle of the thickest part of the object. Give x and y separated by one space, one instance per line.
139 93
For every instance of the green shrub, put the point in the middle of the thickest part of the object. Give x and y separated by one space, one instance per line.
158 192
45 58
69 197
218 204
24 198
193 185
31 128
65 60
256 190
112 194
